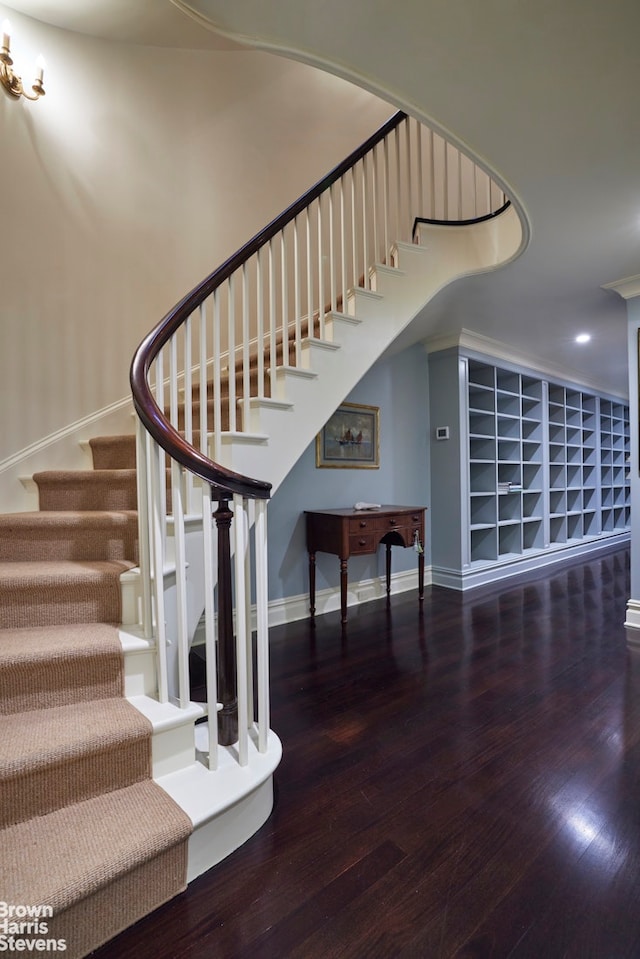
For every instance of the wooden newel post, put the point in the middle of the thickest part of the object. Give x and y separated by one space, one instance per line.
227 677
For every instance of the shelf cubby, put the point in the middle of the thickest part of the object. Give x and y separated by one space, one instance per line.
482 448
484 545
481 398
483 510
482 477
532 505
558 529
509 507
509 539
532 534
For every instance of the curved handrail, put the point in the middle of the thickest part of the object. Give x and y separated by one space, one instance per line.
430 221
148 410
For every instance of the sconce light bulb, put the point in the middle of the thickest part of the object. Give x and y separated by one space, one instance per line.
6 34
40 65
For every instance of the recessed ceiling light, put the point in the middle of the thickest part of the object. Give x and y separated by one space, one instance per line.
583 337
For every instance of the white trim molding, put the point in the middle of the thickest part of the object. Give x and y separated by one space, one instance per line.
627 288
632 622
478 343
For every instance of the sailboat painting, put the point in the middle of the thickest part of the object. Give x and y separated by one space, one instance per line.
351 438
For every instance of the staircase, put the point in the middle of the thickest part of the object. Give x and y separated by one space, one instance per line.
85 831
105 770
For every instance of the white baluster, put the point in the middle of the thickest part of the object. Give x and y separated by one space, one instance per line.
240 540
309 279
260 324
177 507
343 249
354 232
374 205
284 282
366 281
231 363
385 197
420 172
332 250
273 362
321 294
246 358
209 625
296 296
262 624
158 526
432 177
409 185
203 374
217 374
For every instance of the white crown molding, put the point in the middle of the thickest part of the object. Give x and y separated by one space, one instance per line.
626 288
495 349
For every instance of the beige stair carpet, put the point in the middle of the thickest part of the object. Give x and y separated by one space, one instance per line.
84 831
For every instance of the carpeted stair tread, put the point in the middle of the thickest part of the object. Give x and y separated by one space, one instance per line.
50 594
101 864
52 757
87 489
69 535
46 666
113 452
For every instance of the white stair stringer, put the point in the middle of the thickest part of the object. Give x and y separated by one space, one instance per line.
373 321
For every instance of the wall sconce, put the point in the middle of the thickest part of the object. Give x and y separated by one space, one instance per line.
10 81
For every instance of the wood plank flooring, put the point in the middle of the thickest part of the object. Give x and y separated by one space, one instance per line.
461 781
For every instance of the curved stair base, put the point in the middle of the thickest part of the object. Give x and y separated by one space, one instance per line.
226 806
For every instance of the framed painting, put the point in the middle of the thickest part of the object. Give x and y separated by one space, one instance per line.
350 439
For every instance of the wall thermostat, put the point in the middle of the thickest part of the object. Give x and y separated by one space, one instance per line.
442 432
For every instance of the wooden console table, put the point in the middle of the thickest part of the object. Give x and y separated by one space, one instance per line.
349 532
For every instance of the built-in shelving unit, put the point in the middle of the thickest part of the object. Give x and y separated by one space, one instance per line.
506 480
546 465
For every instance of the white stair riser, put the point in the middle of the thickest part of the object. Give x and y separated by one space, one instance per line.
173 749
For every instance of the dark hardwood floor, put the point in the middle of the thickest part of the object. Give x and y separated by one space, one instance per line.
458 782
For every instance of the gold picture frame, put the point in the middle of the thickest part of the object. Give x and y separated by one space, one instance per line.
350 439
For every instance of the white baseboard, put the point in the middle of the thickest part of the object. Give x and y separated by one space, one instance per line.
632 622
293 608
496 572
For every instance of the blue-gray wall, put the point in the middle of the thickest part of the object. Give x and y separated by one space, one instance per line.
398 385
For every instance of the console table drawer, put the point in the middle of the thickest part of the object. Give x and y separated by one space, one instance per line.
362 543
362 523
385 523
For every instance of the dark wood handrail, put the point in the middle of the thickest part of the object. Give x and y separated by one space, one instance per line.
471 221
146 407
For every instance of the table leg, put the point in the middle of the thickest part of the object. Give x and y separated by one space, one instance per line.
388 545
421 576
343 591
312 585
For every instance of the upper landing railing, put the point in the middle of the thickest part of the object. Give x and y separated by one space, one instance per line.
194 376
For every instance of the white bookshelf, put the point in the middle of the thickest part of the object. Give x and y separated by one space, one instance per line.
543 467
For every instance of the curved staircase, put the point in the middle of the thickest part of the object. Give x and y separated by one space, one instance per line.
104 775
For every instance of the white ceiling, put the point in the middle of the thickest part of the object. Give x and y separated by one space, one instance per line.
543 91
